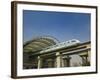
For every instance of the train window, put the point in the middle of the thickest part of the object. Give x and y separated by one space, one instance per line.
73 41
68 42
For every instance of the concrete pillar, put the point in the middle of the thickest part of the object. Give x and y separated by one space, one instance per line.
58 59
89 56
66 61
39 62
63 62
84 57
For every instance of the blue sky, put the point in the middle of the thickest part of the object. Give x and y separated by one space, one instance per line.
61 25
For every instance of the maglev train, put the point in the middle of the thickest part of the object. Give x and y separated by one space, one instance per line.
69 42
62 45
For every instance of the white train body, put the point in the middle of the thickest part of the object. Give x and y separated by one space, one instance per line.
61 45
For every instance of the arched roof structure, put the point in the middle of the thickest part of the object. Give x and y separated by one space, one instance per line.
39 43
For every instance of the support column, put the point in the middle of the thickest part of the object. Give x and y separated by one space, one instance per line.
66 61
63 63
84 59
39 62
58 59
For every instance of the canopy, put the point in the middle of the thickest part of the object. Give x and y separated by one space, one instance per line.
39 43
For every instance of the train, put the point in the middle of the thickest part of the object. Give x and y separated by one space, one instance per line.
61 45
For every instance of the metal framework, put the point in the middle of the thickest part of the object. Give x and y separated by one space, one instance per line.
39 43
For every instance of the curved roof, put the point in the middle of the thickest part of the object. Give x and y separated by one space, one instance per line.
39 43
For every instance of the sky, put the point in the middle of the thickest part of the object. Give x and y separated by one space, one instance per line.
61 25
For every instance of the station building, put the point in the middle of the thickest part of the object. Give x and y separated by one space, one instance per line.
48 52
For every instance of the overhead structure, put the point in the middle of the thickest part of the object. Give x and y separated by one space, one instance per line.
48 52
39 43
